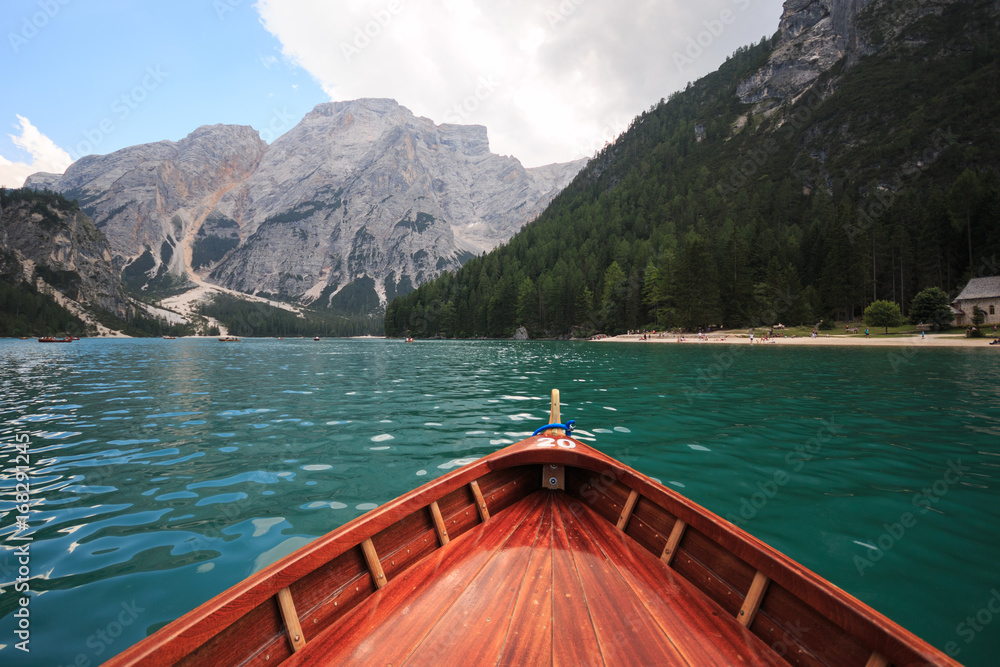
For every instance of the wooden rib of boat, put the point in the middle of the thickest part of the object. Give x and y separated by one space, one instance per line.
53 339
549 552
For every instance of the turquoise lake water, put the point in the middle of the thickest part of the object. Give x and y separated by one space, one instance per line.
164 471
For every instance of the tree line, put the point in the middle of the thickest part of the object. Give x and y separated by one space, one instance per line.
248 318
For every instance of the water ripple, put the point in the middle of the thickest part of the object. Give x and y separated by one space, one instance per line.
162 474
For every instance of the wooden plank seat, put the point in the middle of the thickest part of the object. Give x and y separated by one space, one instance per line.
546 577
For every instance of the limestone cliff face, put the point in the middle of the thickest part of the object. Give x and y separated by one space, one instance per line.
57 247
144 197
367 189
357 190
815 35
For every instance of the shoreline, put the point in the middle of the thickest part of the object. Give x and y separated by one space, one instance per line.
876 340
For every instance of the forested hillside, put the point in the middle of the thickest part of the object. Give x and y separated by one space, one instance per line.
881 181
247 318
49 248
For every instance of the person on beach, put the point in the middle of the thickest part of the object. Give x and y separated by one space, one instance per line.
867 335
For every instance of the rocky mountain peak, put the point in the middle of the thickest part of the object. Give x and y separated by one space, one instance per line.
365 190
360 192
370 106
815 35
144 197
801 15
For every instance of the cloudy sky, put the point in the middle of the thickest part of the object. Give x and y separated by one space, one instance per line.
551 79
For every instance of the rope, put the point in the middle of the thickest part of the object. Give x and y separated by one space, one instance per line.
568 427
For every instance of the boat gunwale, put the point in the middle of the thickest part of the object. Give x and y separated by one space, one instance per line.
222 610
870 627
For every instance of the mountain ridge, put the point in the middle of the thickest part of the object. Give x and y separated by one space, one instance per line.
357 190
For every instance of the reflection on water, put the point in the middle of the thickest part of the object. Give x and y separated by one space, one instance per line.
162 472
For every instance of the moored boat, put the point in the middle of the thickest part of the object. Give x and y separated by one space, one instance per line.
229 339
547 551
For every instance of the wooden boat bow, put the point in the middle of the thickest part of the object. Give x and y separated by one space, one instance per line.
546 551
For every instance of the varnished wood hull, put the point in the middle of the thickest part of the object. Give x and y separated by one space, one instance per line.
544 552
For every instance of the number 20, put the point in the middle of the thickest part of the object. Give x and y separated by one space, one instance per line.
552 442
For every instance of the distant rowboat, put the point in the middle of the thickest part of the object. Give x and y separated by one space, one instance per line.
546 552
52 339
229 339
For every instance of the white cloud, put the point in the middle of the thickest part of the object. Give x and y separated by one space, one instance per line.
45 156
551 79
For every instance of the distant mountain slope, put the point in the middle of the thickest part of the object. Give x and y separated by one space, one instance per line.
360 201
56 266
366 190
852 157
146 198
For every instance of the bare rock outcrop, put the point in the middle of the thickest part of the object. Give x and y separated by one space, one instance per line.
359 192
